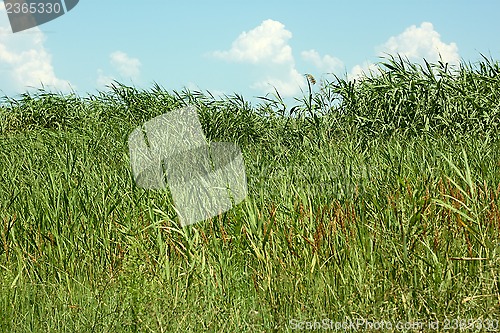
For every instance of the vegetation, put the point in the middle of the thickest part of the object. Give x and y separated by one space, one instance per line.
375 199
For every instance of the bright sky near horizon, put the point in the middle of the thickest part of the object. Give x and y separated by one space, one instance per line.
244 47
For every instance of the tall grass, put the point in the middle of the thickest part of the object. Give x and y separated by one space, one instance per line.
377 199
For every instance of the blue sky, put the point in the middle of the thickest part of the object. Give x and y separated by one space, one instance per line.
245 47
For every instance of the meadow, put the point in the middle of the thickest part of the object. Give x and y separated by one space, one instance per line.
376 199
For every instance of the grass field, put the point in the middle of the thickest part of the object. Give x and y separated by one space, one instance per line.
375 200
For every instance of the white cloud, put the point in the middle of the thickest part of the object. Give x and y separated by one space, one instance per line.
289 84
266 47
267 42
25 60
191 86
365 69
416 43
126 66
326 64
103 80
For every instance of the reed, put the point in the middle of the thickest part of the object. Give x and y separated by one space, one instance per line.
373 199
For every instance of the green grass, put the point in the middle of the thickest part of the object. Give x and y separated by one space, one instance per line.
371 202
